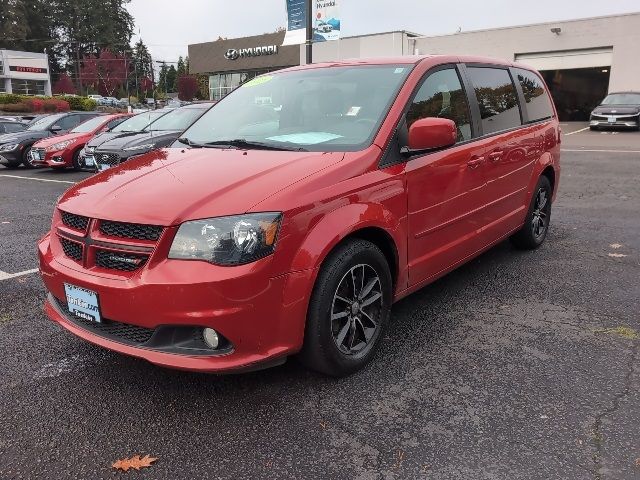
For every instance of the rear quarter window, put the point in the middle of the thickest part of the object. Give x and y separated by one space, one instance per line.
537 101
497 98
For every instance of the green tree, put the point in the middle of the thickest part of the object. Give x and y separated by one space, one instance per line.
182 67
172 78
162 78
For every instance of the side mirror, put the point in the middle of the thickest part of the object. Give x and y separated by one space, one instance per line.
428 134
55 129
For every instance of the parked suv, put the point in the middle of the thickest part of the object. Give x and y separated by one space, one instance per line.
620 109
300 207
15 148
161 133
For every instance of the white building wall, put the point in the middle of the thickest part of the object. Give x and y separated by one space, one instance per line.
390 44
620 32
25 59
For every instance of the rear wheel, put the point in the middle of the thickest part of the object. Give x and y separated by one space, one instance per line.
348 311
536 225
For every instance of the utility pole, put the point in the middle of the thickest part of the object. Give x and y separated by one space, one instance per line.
309 31
153 83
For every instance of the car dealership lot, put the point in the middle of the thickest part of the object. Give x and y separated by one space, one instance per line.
514 366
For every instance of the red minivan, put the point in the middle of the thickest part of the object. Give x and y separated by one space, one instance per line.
294 213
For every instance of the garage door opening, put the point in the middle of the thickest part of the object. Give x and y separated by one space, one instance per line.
577 91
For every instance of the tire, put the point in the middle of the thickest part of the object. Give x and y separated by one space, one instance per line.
594 129
26 158
343 345
536 225
75 162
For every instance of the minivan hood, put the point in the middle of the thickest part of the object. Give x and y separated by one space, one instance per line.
169 186
141 138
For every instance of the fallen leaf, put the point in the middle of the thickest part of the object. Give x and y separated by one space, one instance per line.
615 246
637 462
617 255
625 332
136 462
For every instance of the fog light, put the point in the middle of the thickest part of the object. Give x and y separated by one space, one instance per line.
211 338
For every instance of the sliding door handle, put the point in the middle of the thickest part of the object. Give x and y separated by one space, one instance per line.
475 162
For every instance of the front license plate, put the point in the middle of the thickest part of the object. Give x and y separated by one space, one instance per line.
612 119
35 155
102 167
89 161
82 303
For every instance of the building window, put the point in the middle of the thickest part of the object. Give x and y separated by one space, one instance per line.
3 88
1 68
222 84
27 87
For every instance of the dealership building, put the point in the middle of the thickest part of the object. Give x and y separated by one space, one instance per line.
581 60
24 73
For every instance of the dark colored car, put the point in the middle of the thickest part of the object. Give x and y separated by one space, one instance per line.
129 127
15 148
300 208
161 133
619 110
11 126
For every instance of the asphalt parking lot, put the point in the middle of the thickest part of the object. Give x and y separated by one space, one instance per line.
519 365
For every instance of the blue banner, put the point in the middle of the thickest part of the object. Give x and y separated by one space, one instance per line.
296 22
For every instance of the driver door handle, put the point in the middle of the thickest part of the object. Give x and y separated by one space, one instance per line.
495 155
475 162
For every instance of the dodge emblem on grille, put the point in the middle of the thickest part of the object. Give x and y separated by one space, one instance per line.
131 261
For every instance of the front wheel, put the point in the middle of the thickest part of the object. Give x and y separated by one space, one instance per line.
27 161
536 225
75 162
349 309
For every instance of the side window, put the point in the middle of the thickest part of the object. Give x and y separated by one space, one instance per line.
115 122
442 95
497 98
538 103
2 128
70 121
13 128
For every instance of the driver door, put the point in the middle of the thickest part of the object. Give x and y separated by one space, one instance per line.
447 188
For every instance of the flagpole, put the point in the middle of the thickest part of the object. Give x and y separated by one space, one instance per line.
309 31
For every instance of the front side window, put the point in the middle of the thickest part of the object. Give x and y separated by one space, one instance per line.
497 98
45 122
317 109
442 96
71 121
537 99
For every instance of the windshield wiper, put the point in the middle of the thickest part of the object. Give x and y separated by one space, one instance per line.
243 143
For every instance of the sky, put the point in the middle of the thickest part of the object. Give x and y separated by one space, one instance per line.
167 27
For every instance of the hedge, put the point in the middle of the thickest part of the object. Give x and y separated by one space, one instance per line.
74 103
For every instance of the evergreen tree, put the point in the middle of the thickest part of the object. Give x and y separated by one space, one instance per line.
172 78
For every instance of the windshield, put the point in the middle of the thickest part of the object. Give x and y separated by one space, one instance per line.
337 108
177 119
89 125
45 122
138 122
622 99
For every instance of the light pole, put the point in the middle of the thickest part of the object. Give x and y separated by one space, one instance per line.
309 31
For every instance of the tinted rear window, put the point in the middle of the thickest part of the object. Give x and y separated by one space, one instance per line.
537 99
497 98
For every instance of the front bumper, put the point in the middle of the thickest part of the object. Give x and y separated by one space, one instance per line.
12 157
621 121
261 316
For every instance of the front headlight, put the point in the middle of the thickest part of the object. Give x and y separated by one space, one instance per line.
8 147
90 149
146 146
227 241
59 146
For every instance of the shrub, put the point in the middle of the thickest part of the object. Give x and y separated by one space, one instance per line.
34 104
14 108
10 98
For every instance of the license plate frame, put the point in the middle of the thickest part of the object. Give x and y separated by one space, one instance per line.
611 119
83 303
89 161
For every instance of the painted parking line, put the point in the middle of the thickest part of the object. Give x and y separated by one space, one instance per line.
38 179
577 131
599 151
7 276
